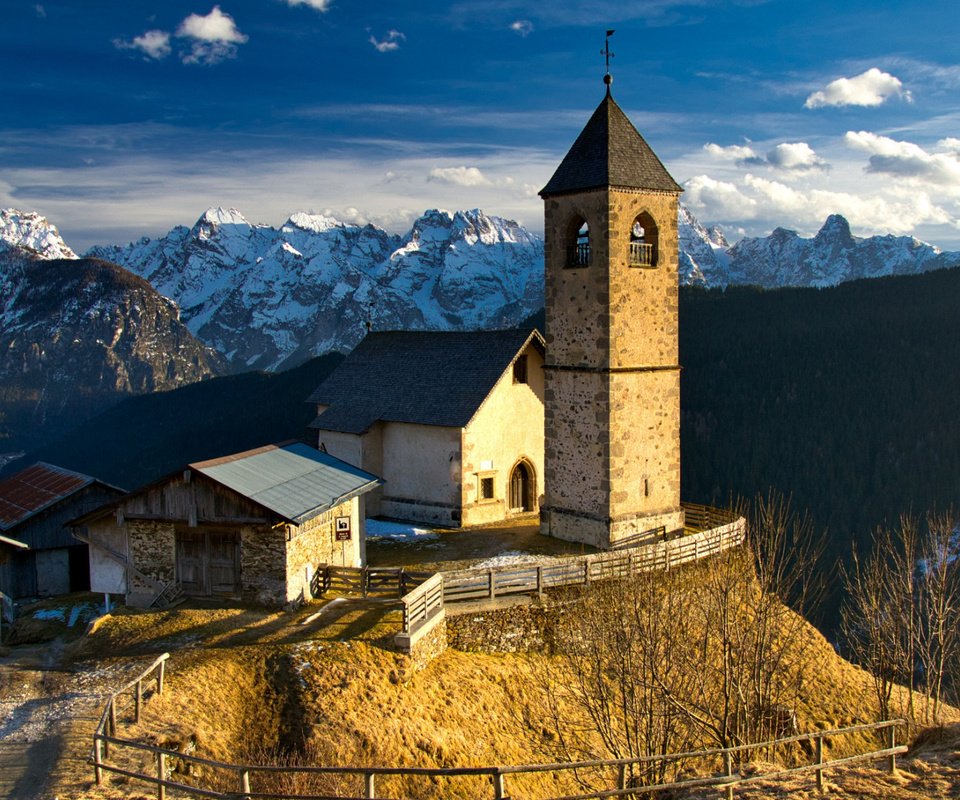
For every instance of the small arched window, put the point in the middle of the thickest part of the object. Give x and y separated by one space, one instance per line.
643 242
578 243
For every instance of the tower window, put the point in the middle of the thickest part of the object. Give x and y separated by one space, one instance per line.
643 242
578 249
520 370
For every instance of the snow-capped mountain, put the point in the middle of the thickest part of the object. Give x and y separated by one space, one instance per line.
271 297
76 335
32 232
703 251
784 258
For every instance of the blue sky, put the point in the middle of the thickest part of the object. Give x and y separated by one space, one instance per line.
120 119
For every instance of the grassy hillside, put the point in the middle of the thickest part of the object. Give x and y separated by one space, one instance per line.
326 689
146 437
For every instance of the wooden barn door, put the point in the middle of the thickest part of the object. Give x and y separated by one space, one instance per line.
208 562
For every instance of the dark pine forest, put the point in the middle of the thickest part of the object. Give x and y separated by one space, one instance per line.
847 399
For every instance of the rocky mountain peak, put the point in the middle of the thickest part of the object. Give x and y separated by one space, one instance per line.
836 230
32 233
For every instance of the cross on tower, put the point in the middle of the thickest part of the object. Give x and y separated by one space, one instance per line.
607 77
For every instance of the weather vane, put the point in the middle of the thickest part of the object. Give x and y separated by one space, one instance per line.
607 77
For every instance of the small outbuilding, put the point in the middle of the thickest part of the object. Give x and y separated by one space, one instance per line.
253 526
453 421
35 506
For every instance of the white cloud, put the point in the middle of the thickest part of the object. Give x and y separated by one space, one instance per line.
720 199
153 44
870 88
797 156
461 176
318 5
733 152
908 160
522 26
876 213
214 37
788 156
389 42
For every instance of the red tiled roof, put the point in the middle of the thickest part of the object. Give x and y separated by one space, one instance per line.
31 490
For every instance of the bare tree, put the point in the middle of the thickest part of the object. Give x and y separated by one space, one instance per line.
901 618
938 608
707 654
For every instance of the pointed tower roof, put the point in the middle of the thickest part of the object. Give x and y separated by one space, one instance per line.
610 152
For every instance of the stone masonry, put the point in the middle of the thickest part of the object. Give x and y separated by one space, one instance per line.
612 395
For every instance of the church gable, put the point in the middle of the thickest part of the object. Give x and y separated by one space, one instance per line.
418 377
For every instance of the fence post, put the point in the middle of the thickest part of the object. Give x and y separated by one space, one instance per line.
245 784
369 785
540 579
586 571
819 761
892 742
728 771
163 665
111 723
622 776
364 580
138 702
97 759
161 775
499 788
491 591
402 581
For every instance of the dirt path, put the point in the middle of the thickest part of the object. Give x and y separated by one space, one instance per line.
50 705
48 713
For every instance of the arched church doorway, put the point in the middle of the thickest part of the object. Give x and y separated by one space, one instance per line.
522 488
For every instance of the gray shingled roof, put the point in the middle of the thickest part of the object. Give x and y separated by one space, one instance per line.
295 481
423 377
610 152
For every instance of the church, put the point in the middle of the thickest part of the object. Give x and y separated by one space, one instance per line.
589 436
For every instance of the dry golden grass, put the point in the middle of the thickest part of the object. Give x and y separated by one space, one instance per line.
249 685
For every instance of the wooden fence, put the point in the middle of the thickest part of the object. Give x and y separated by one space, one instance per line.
106 733
249 781
553 573
707 531
366 581
423 603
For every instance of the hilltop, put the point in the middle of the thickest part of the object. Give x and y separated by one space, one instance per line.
287 687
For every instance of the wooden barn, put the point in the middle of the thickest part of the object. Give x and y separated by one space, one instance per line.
35 506
252 526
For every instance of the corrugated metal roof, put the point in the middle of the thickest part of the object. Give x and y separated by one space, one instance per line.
610 152
294 481
422 377
35 488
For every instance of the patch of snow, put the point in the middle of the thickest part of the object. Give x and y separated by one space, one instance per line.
51 613
506 558
383 530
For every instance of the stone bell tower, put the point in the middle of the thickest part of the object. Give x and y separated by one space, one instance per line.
612 378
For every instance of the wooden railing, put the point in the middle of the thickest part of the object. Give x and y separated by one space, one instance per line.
366 581
423 603
106 732
707 531
662 553
704 518
717 766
